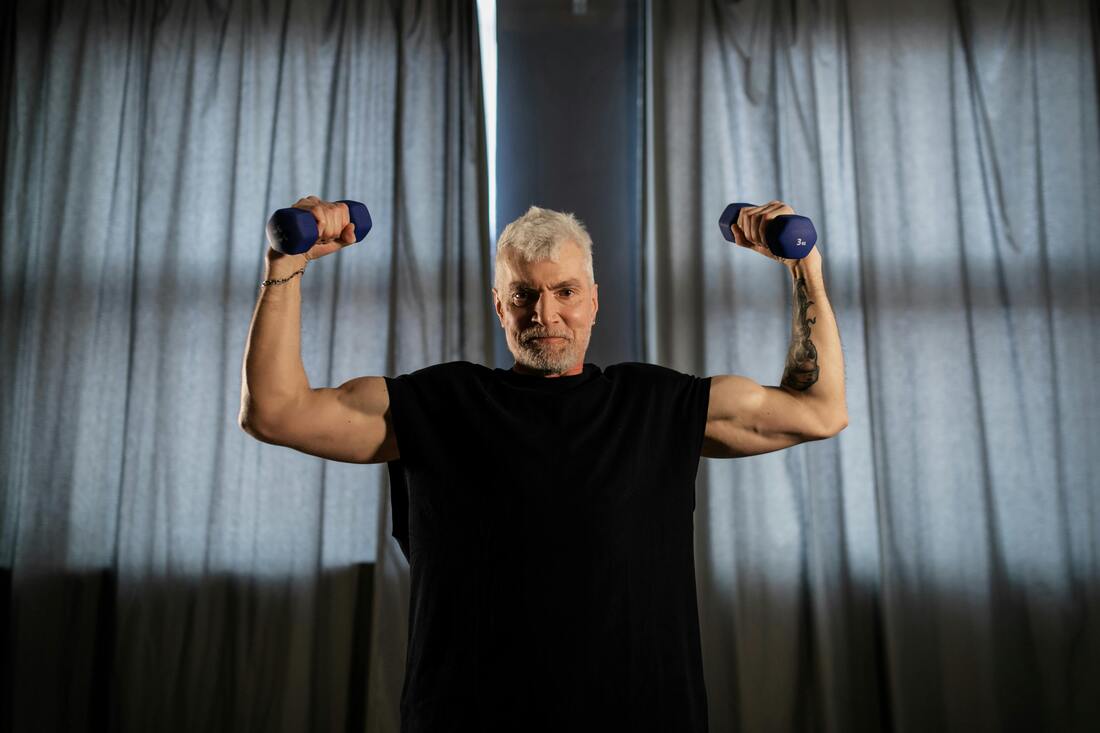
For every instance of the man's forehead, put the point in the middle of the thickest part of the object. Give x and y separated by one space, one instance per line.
566 268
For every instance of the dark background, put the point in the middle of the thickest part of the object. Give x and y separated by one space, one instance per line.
569 122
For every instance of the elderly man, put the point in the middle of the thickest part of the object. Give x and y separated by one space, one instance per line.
546 510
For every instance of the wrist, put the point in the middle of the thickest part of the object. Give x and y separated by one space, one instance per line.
807 266
280 265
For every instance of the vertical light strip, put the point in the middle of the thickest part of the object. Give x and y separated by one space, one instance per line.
651 351
487 34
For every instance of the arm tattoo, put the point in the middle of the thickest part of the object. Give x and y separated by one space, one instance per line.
801 371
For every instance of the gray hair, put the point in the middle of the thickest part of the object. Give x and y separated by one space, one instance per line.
539 234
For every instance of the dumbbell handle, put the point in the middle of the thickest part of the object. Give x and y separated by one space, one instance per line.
293 231
788 235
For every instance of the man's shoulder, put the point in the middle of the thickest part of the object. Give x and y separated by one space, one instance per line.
449 369
635 378
446 375
643 371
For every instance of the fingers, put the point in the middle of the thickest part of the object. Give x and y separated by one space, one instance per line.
333 219
739 237
748 221
348 235
752 221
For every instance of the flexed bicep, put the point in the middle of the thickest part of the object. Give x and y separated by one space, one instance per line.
350 423
745 418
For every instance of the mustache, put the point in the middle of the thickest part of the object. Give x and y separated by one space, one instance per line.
536 332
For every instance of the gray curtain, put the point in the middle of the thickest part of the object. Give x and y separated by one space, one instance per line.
162 570
936 566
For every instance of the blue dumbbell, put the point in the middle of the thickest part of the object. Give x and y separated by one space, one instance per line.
293 231
789 235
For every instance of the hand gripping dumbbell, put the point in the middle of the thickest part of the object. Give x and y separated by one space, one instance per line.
788 235
293 231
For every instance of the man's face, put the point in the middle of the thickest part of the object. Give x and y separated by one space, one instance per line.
547 310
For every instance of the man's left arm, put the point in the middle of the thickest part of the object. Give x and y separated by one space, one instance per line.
745 418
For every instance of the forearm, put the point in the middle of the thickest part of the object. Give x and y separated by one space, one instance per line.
273 375
815 364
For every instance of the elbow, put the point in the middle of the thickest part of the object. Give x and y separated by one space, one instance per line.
255 416
250 425
255 424
836 425
246 417
829 427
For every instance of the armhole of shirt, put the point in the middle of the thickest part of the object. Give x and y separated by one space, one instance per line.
702 393
397 390
703 387
399 487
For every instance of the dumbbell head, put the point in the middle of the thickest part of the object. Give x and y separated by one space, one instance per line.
789 235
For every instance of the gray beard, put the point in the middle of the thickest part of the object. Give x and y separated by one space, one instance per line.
548 360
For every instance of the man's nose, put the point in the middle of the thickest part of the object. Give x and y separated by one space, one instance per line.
546 311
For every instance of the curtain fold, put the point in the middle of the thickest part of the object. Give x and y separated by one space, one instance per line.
935 567
168 572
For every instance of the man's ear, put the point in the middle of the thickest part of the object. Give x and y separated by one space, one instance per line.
498 306
595 300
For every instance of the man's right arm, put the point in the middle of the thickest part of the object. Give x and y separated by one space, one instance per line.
347 423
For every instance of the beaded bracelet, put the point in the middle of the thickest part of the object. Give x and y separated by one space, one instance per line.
288 278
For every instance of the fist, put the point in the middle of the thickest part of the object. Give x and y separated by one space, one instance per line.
748 230
334 228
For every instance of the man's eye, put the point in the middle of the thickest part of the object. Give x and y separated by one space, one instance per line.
519 298
567 292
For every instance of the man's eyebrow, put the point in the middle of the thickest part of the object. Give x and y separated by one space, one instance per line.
571 282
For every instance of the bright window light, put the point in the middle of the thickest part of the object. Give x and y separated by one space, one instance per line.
487 32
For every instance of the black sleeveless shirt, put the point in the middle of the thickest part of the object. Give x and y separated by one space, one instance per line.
548 524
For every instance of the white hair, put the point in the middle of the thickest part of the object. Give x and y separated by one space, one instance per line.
538 235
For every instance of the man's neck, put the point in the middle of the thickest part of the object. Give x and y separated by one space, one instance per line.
571 372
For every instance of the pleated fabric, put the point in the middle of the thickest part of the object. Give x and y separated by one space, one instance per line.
937 565
167 571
